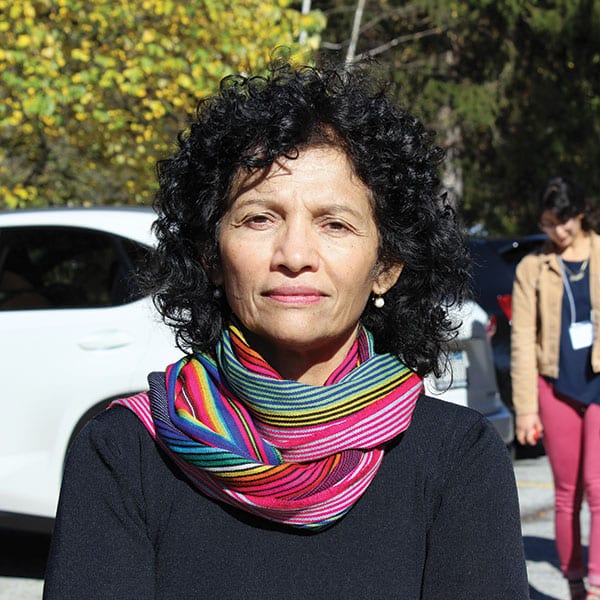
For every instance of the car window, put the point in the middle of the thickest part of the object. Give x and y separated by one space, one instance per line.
66 267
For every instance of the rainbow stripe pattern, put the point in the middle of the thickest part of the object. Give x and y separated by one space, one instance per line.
282 450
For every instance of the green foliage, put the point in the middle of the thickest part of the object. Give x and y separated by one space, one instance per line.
92 93
519 80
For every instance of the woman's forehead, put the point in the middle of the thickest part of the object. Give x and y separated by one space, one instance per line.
330 158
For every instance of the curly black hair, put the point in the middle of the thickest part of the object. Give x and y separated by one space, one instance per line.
254 120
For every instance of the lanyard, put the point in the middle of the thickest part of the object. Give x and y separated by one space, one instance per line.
567 288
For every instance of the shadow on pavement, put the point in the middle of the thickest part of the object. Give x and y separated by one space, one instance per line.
539 549
535 595
23 554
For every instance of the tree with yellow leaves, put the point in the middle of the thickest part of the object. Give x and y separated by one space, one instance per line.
93 91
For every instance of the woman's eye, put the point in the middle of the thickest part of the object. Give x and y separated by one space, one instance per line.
258 220
336 226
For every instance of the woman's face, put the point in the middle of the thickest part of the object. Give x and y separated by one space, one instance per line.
298 250
562 233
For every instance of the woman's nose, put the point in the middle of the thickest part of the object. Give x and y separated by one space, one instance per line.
296 248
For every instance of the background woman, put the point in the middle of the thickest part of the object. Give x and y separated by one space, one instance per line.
555 365
307 262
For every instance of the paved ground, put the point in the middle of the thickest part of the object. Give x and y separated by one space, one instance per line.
22 556
536 496
20 589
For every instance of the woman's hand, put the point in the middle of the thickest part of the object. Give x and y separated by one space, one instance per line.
529 428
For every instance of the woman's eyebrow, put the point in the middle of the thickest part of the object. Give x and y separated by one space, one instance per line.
241 203
333 208
337 209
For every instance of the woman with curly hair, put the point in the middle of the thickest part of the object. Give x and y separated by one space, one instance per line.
307 261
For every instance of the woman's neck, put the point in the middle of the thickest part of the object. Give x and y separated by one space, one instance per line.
306 365
579 249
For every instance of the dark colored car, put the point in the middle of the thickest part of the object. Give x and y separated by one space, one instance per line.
492 278
494 264
512 250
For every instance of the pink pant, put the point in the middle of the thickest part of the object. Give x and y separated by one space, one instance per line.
572 443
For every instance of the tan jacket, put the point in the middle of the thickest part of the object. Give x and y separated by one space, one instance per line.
536 314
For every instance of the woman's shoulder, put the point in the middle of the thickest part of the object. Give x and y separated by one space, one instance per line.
445 416
114 423
531 262
117 437
116 444
451 432
452 446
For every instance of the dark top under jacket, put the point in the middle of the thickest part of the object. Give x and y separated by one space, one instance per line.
439 521
576 379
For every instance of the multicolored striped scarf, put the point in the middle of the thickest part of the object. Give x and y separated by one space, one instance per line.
283 450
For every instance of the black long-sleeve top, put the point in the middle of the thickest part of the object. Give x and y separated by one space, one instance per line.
439 521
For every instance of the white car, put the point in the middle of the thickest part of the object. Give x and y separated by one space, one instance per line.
75 334
470 376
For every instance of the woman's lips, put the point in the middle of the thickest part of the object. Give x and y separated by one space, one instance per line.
296 295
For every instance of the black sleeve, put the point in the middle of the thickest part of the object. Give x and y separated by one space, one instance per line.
475 547
100 547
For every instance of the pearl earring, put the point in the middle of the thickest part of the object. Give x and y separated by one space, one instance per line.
379 302
217 294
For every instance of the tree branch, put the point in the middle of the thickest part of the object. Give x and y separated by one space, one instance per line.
401 11
350 54
396 41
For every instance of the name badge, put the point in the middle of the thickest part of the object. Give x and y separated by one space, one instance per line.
581 334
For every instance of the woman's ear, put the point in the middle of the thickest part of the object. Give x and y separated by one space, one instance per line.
387 278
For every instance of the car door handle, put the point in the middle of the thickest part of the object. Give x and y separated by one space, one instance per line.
106 340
